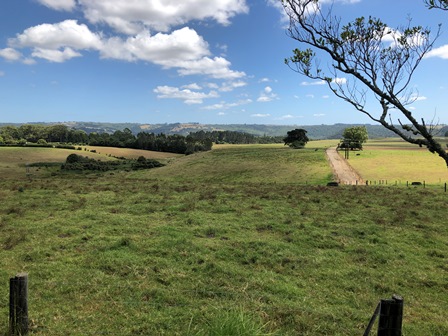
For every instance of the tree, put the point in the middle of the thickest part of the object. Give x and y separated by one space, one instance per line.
296 138
354 137
376 69
440 4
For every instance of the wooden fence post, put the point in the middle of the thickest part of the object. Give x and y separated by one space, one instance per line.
391 317
18 305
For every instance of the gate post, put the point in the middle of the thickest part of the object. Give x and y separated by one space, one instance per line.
18 305
391 317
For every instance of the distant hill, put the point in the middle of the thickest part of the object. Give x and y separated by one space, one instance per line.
315 132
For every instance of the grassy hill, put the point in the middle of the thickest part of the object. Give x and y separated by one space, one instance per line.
315 132
241 240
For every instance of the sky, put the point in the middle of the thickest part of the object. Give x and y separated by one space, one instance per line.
169 61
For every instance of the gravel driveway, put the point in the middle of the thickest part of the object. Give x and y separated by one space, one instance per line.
342 170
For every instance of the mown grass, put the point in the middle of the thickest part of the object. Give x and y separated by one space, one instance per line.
178 252
398 162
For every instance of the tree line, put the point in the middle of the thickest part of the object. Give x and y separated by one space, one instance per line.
194 142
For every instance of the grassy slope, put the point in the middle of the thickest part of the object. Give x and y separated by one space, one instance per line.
171 251
397 161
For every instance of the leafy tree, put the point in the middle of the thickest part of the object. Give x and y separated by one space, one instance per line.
296 138
375 69
354 137
58 133
440 4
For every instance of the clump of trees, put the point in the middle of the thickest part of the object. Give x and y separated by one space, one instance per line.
368 61
296 138
354 137
77 162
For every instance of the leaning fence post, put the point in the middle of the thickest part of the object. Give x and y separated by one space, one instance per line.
18 305
391 317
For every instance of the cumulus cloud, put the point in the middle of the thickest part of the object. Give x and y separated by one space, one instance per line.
147 24
192 86
441 52
216 67
13 55
260 115
130 17
163 49
57 56
230 86
267 95
321 82
187 95
226 106
10 54
54 36
60 5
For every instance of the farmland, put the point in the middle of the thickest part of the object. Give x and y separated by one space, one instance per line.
398 162
240 238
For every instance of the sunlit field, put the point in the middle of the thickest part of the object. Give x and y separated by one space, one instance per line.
398 162
242 240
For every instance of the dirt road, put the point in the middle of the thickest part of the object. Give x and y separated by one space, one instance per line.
342 170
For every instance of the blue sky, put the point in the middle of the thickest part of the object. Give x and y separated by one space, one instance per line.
166 61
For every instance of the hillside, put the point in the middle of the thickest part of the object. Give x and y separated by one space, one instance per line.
315 132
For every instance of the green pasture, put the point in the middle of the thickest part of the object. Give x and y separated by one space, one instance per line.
242 240
249 164
398 162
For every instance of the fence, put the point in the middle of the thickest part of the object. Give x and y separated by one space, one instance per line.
390 311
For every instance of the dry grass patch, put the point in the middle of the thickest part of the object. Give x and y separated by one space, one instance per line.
398 161
130 153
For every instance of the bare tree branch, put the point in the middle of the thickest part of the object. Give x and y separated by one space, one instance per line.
439 4
377 60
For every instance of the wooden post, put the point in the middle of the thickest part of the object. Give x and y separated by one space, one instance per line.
391 317
18 305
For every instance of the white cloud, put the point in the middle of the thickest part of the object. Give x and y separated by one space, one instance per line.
230 86
163 49
339 81
188 96
226 106
192 86
267 95
182 49
416 97
217 67
259 115
63 5
10 54
57 56
321 82
2 73
13 55
310 96
286 117
325 97
54 36
130 17
441 52
319 115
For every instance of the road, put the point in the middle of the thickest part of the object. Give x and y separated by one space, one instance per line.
342 170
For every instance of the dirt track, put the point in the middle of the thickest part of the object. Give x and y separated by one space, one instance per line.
342 170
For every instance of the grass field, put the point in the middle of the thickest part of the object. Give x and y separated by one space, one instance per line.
398 162
229 242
